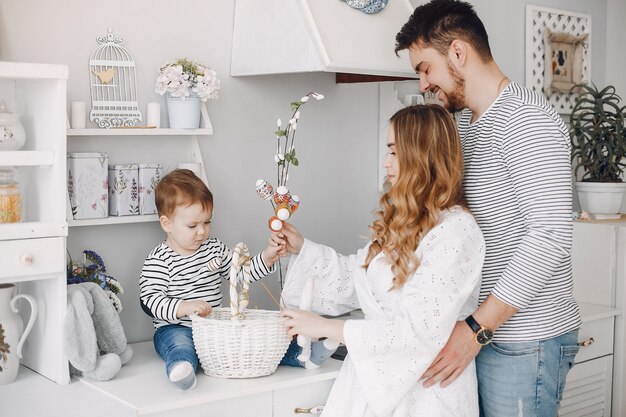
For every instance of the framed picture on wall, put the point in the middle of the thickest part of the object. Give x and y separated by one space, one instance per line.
563 66
558 53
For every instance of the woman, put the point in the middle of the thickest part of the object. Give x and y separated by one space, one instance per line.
418 275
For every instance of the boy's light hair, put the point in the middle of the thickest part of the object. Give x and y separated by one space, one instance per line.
181 187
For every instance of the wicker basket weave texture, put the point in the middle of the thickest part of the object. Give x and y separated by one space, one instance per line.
244 348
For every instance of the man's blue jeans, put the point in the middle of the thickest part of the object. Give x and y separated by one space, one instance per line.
174 343
524 379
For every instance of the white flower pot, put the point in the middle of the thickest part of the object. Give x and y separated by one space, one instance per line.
601 199
183 113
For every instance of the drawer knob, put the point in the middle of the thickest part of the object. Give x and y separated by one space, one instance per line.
587 342
27 259
312 410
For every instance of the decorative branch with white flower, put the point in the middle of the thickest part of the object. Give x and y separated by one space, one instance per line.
283 202
285 144
185 78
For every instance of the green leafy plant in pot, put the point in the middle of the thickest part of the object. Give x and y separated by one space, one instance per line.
598 138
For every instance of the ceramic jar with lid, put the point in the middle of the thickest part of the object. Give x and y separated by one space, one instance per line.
12 136
10 197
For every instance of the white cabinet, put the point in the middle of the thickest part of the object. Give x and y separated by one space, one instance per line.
588 389
138 145
301 400
316 36
599 256
32 253
143 386
589 383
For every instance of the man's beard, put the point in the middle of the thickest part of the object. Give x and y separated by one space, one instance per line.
456 98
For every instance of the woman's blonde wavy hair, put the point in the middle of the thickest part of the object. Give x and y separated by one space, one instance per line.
430 171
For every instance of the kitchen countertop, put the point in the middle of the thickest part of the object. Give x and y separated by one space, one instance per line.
140 388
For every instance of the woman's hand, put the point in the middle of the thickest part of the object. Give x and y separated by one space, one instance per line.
312 325
188 307
289 239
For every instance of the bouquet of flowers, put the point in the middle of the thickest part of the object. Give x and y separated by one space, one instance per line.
92 269
184 77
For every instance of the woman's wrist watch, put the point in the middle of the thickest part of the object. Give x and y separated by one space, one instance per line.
482 335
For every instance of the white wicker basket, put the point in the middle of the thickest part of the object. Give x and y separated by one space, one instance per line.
248 347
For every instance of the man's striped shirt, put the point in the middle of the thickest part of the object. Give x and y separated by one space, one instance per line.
168 278
518 186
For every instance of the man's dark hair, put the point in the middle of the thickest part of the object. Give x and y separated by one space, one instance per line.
437 23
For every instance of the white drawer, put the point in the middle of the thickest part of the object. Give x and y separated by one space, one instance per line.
253 405
602 333
303 397
26 257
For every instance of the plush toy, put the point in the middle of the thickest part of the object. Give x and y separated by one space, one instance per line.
95 342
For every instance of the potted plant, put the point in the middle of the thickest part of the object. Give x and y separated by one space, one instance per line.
598 138
186 83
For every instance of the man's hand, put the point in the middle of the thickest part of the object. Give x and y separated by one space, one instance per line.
452 360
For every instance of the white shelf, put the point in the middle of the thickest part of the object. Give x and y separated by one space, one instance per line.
26 158
27 70
194 147
31 230
37 92
114 220
139 132
27 278
145 370
591 312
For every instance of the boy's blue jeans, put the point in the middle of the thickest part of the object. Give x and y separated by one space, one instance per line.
174 343
525 379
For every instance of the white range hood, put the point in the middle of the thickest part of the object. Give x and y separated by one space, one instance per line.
291 36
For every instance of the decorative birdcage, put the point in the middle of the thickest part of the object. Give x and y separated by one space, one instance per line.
113 81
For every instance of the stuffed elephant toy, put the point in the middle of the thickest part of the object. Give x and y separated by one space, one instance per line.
95 342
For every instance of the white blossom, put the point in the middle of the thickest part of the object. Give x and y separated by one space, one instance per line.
112 283
279 157
115 300
202 81
297 115
317 96
304 99
279 123
292 121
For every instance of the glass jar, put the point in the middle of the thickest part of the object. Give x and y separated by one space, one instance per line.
12 136
10 197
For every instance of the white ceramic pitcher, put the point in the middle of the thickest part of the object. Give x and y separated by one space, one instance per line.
11 337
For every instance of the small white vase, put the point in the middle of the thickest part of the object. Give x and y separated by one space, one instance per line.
184 113
603 200
13 334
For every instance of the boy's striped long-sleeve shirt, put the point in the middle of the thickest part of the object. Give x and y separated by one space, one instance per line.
168 278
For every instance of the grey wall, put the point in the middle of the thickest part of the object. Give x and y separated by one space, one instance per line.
616 50
336 139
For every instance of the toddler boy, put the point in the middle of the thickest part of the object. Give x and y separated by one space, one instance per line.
183 274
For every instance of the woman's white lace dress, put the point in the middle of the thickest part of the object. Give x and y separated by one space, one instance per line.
404 329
